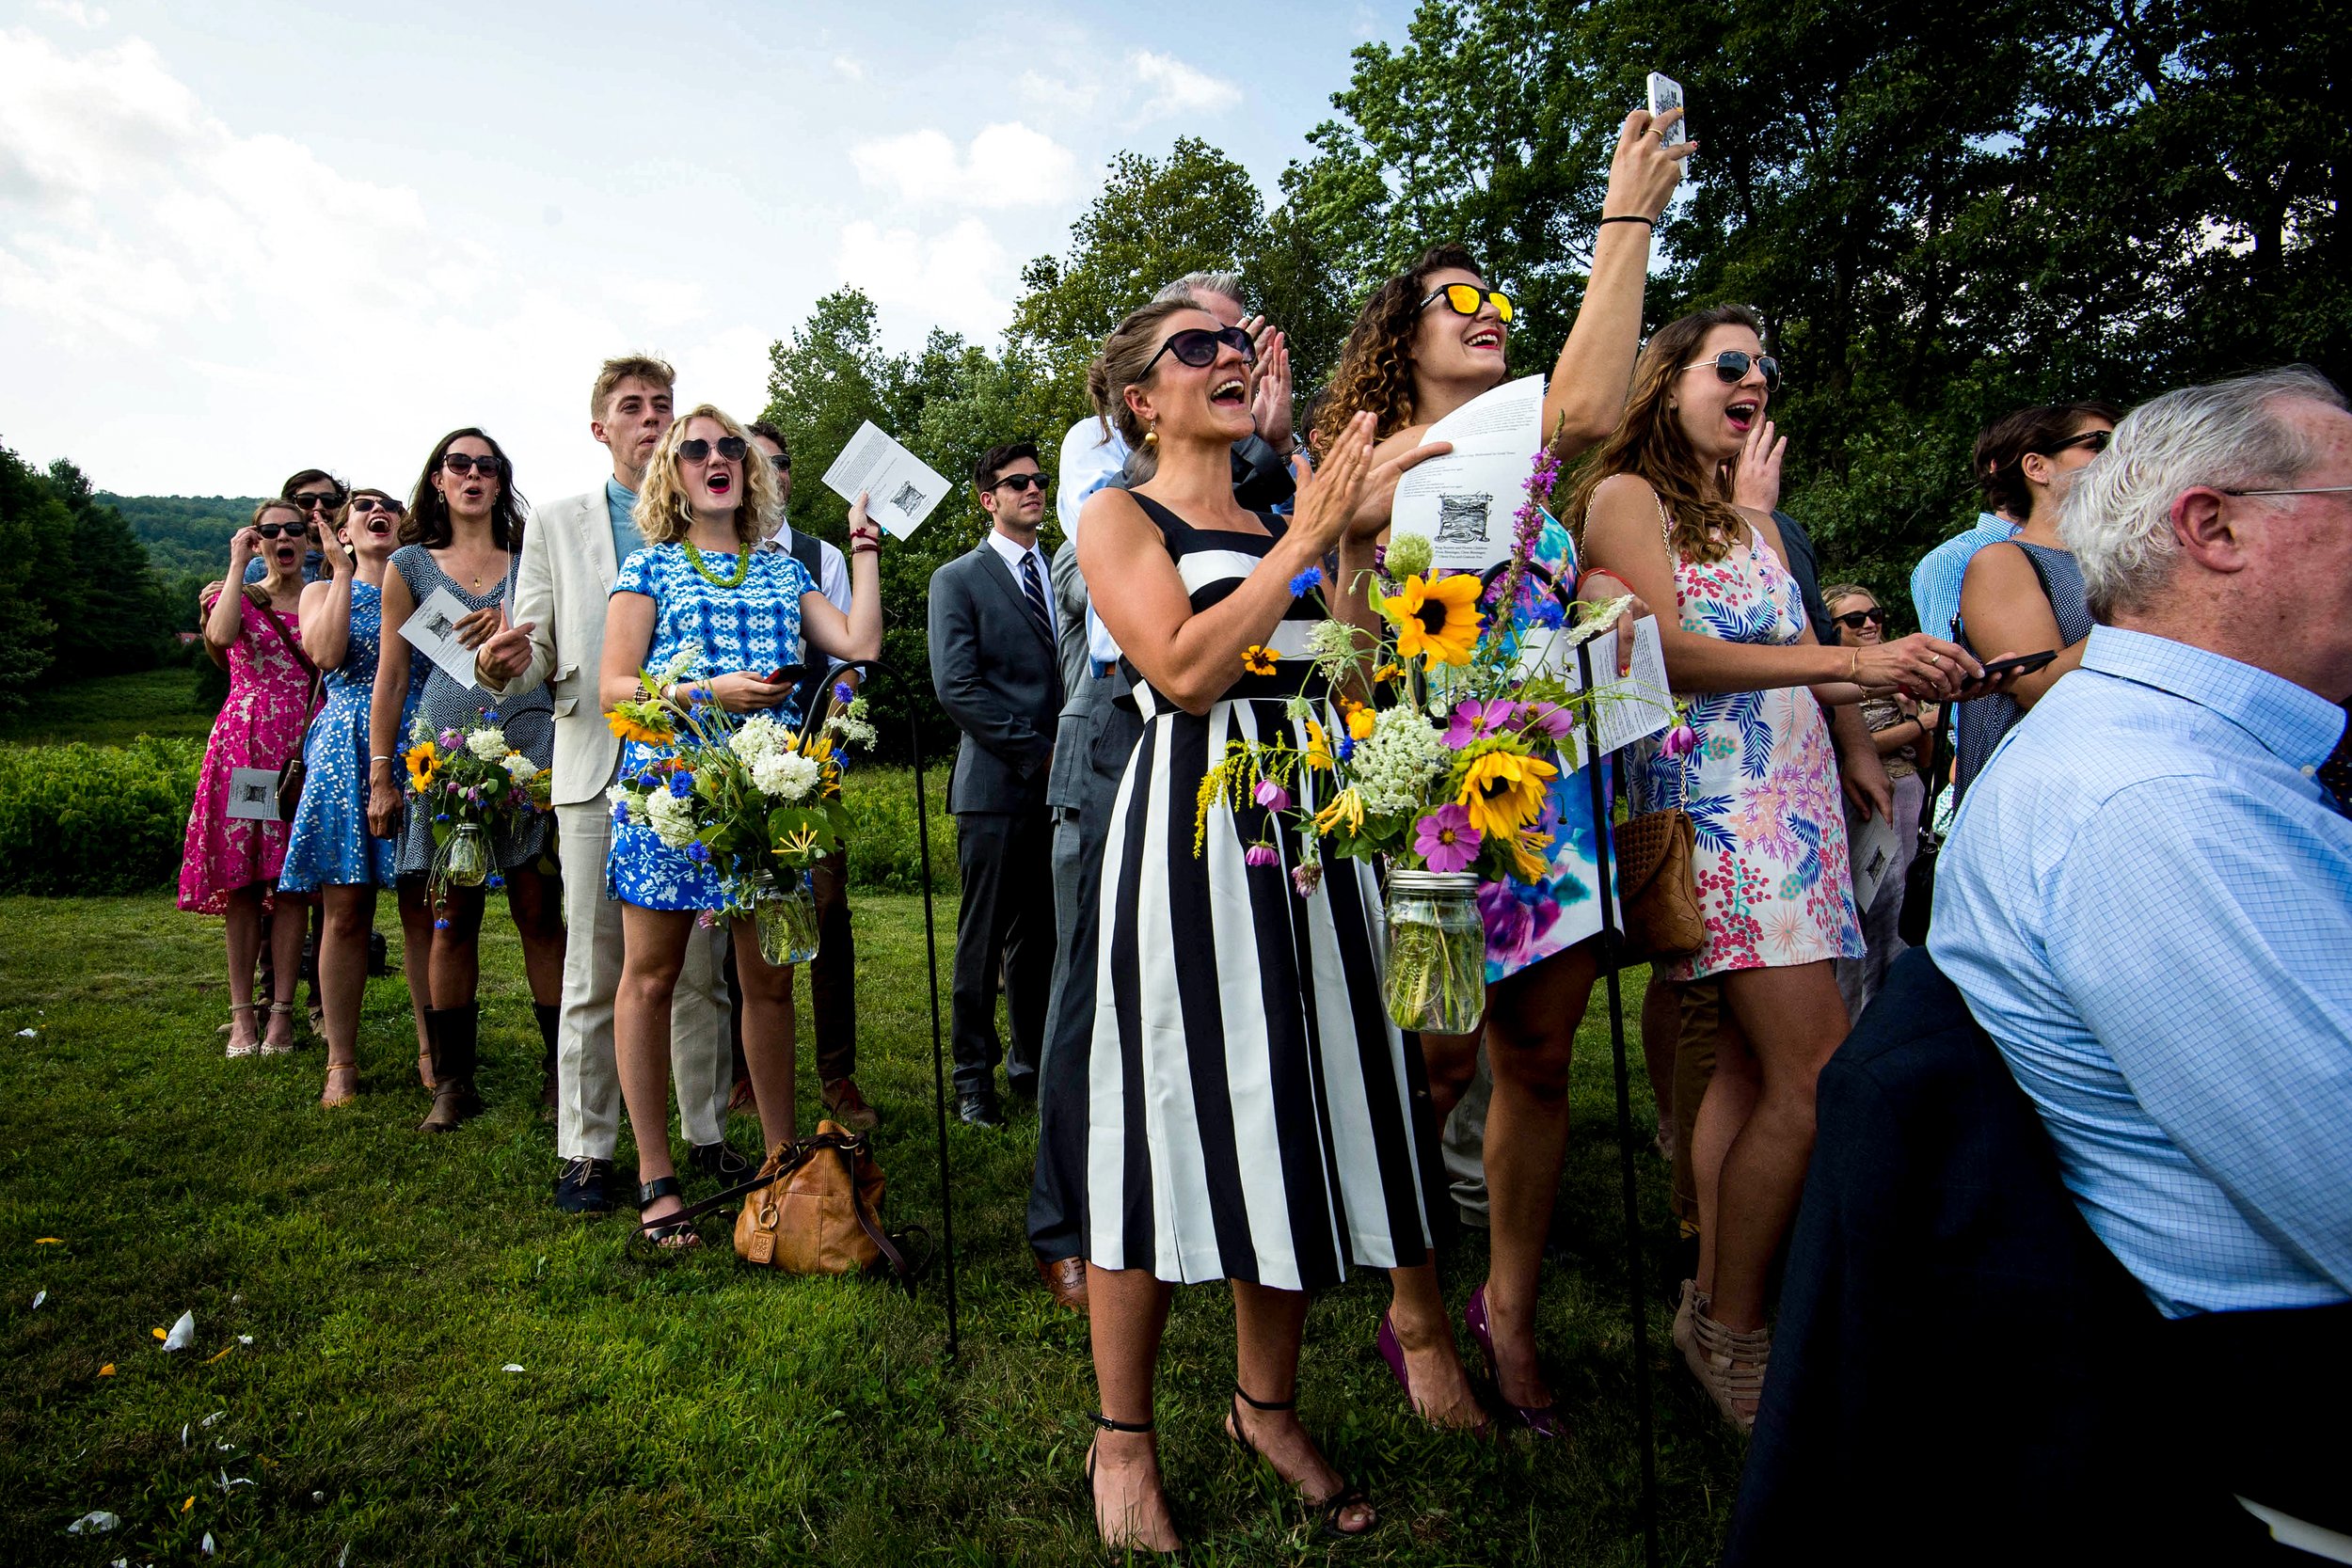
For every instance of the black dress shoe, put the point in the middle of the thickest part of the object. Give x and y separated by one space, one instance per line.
1022 1086
979 1109
583 1186
721 1161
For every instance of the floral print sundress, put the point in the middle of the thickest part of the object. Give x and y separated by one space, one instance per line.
1761 788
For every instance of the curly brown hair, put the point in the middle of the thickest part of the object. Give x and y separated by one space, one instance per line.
1375 369
1649 442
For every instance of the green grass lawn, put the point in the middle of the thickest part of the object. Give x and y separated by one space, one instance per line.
684 1412
111 710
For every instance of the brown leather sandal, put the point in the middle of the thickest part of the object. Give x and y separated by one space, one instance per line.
329 1098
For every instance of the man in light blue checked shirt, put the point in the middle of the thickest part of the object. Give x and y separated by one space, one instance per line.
2147 898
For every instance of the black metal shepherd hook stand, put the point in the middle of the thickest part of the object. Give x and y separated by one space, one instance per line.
930 954
1612 942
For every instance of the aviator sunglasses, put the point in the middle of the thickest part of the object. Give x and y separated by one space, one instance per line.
1464 300
1196 346
1731 368
732 447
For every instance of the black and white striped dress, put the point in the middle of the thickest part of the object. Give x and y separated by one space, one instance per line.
1251 1106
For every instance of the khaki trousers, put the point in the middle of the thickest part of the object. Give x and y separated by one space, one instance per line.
588 1085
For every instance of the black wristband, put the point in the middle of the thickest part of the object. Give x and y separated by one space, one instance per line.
1630 217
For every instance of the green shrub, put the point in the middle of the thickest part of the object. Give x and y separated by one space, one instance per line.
95 819
885 850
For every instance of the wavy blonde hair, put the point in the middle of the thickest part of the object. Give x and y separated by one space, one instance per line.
663 516
1650 443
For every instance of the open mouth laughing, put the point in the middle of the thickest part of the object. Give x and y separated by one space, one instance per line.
1485 340
1233 392
718 482
1742 413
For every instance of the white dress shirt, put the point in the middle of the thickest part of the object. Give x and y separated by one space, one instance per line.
1012 555
833 581
1089 461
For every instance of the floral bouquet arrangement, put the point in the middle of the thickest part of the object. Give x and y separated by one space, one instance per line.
747 795
475 783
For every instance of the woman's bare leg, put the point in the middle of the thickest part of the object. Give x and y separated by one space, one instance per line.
1267 1327
350 915
535 900
289 922
768 1033
1417 1313
1128 1313
415 963
244 950
653 952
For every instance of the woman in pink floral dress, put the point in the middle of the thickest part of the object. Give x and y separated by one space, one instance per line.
230 863
1761 788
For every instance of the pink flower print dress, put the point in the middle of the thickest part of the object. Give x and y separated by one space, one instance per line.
1762 789
260 726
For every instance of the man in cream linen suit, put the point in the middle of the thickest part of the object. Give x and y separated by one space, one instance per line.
571 552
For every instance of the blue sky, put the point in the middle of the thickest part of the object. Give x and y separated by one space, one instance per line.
236 240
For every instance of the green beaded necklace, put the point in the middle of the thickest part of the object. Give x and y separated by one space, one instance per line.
743 567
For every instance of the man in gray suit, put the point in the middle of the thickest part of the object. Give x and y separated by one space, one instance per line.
993 663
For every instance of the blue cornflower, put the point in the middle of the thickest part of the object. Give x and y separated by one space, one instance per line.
497 882
1346 747
681 784
490 716
441 924
441 817
843 691
1305 582
648 780
697 853
620 815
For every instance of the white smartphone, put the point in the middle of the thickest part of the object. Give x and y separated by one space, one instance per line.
1666 93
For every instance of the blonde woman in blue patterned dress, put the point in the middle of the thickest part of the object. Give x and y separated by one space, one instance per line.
703 588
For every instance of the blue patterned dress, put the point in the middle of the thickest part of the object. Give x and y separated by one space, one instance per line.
332 845
756 628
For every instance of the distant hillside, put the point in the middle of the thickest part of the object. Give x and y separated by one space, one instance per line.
184 534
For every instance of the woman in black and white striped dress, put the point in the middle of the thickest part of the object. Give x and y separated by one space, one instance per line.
1251 1115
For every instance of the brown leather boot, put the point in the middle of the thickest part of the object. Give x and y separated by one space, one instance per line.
451 1034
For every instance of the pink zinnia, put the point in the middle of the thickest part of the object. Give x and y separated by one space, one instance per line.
1261 854
1444 839
1474 721
1273 796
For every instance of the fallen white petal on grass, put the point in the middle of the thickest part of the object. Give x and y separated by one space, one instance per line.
318 1496
207 1422
244 1339
511 1366
39 1296
206 1545
344 1560
182 1333
27 1033
96 1522
183 1434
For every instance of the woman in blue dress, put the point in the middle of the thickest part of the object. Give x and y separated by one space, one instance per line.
330 850
1427 342
704 598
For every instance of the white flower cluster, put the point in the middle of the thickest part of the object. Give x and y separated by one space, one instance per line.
680 666
850 727
520 769
785 775
1390 767
673 817
488 743
759 737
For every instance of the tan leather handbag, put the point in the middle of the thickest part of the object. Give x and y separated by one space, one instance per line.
812 1209
1658 896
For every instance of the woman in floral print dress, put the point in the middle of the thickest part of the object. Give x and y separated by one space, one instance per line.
1762 791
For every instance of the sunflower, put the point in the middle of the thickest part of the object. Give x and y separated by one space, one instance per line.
623 723
1258 659
1318 753
1437 621
423 762
1503 791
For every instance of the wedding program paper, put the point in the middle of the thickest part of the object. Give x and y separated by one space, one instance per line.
1466 503
901 488
253 793
433 633
1630 705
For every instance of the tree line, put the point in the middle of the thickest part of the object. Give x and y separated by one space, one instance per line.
78 598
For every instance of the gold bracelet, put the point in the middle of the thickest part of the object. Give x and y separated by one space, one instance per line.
1853 669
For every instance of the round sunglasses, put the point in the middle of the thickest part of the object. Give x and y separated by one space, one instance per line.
1731 368
732 447
1196 346
1464 300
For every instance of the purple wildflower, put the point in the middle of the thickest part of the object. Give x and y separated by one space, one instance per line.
698 853
1474 721
440 923
681 784
843 691
1261 854
1680 742
497 882
1445 840
1346 747
451 741
1273 796
1551 718
1307 877
620 814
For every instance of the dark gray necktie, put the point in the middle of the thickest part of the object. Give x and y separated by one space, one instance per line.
1034 590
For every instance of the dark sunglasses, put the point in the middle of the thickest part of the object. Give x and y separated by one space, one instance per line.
317 501
732 447
462 463
289 531
781 464
2095 439
365 504
1196 346
1464 300
1020 482
1854 620
1731 368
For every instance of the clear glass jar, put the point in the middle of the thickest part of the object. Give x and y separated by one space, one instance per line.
465 858
1436 977
785 909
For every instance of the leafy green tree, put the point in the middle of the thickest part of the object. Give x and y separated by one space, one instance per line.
32 521
184 534
111 610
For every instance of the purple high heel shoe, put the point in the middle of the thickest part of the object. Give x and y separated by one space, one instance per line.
1393 1354
1543 1420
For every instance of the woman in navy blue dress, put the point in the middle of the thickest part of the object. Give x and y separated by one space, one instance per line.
703 591
331 851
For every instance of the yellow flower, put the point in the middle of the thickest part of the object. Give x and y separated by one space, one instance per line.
1437 621
629 728
1359 722
1503 791
1258 659
818 745
1318 753
1387 673
1348 807
1528 860
423 762
800 841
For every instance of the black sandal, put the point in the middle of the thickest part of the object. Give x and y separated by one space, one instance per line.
662 1234
1347 1497
1093 1511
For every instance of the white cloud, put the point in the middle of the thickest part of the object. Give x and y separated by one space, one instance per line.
1005 165
1173 88
959 279
847 68
74 11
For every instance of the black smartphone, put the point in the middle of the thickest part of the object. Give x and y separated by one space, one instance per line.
2024 664
788 676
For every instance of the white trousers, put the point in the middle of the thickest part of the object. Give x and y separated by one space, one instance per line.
588 1087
